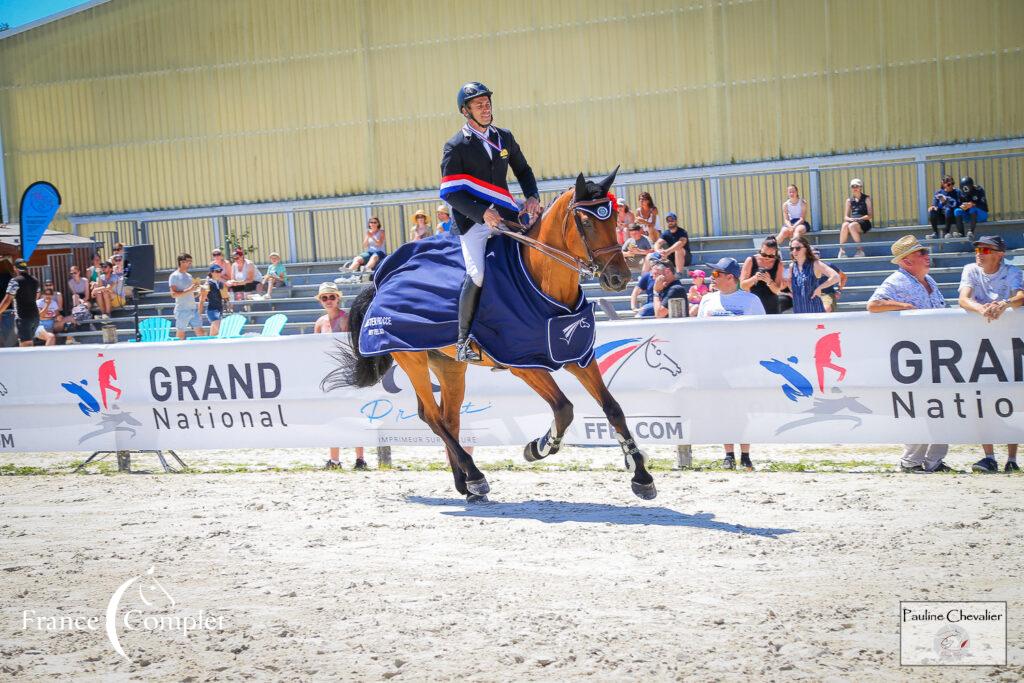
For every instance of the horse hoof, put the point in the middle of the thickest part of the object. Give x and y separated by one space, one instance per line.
644 491
480 487
473 498
531 452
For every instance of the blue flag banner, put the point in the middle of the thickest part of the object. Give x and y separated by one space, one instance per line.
39 205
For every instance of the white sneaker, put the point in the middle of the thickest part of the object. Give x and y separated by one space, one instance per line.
860 253
841 254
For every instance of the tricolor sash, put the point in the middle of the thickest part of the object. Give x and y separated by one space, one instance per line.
478 188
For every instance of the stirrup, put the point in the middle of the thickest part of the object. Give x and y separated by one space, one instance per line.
464 353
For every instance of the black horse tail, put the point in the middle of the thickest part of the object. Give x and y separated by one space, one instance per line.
354 369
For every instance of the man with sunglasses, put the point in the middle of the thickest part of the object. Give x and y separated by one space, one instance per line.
989 287
912 288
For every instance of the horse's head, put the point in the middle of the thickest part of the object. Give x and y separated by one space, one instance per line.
594 240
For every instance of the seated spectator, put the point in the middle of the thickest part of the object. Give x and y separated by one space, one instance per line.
644 285
830 295
214 294
243 276
444 218
989 287
673 244
118 261
58 297
118 250
762 275
78 286
183 288
335 321
944 202
277 274
50 318
647 216
108 292
217 257
373 245
807 277
95 270
856 217
796 216
624 220
697 291
973 207
636 247
910 288
729 300
420 227
666 288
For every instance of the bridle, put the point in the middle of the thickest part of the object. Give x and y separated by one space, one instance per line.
591 266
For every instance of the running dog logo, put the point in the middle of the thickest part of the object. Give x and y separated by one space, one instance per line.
112 418
797 386
614 355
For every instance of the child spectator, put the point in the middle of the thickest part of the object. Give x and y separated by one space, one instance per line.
183 290
214 294
796 215
636 247
420 227
856 217
697 290
647 216
974 206
95 270
444 219
762 275
277 274
945 201
373 245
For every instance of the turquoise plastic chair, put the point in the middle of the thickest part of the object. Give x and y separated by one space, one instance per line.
230 328
155 329
273 325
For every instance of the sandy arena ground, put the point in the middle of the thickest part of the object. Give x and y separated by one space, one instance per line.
314 575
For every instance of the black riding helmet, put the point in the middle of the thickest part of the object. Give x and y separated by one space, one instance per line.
472 90
967 181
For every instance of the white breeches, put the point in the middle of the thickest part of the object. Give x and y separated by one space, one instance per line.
473 243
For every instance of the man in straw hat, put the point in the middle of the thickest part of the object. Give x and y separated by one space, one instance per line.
911 288
334 320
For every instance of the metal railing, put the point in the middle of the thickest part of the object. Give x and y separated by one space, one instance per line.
719 203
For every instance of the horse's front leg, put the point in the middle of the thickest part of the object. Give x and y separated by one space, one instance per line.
544 384
636 460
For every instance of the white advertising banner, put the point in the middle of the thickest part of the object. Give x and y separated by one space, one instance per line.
915 377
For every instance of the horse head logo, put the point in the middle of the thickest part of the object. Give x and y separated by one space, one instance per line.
614 355
657 358
151 593
570 330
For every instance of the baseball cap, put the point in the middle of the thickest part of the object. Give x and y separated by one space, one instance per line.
216 252
698 273
21 264
671 215
443 208
216 269
636 227
725 265
994 241
857 182
274 253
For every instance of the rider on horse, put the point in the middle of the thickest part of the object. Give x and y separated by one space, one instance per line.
473 180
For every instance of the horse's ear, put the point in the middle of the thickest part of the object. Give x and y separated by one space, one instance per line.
581 188
606 183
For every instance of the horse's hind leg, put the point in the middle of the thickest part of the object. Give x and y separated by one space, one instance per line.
544 384
414 363
636 460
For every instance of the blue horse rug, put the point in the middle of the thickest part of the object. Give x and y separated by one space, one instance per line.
416 307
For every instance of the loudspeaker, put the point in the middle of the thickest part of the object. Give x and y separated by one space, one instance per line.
140 266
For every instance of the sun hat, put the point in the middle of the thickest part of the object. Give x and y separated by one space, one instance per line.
904 247
856 182
216 269
327 288
419 213
274 253
671 214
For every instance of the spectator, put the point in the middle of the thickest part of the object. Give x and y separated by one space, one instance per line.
674 244
907 289
624 221
729 300
118 250
50 319
762 275
95 270
647 216
856 217
944 202
667 287
830 295
989 287
21 292
277 274
973 205
420 227
444 219
78 286
8 335
217 257
118 261
335 320
645 284
108 292
214 294
697 291
243 275
796 215
373 245
183 290
807 277
58 297
636 247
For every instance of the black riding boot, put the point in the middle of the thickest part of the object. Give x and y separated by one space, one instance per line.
960 226
469 297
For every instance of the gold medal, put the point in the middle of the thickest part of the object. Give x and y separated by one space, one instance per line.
504 154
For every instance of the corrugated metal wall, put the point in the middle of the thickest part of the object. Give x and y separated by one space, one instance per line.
147 104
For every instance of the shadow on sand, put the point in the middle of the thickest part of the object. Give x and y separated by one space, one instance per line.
557 511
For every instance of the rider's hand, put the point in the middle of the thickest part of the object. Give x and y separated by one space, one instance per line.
533 207
492 218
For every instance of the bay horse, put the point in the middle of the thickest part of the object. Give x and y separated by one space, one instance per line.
560 255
